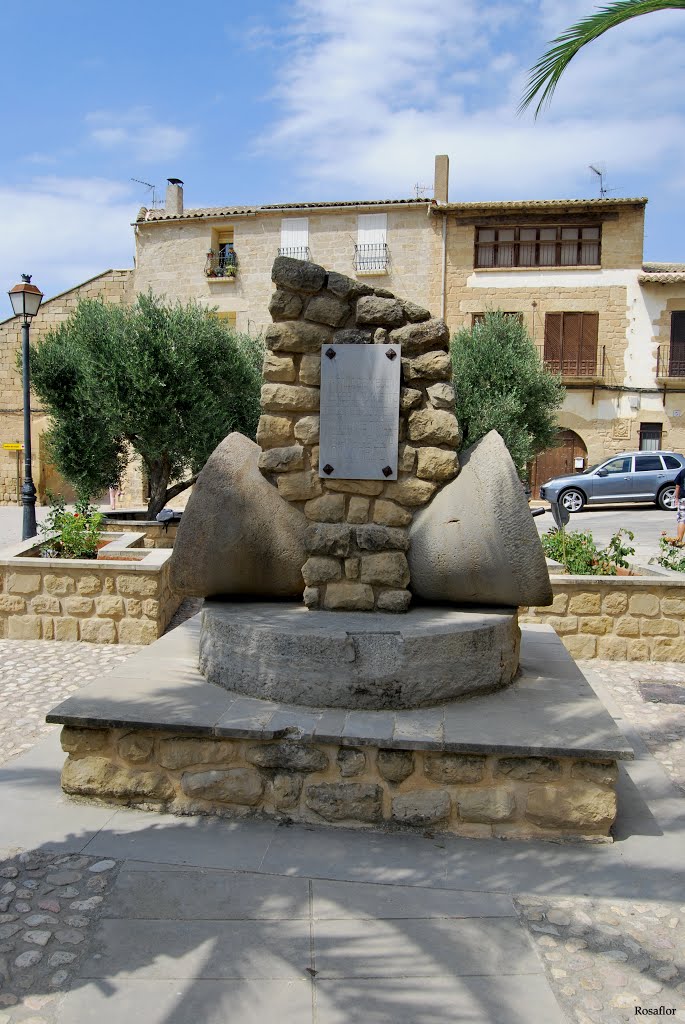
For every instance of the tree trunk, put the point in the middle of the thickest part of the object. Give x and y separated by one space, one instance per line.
158 476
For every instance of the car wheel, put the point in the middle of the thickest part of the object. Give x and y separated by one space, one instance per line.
572 500
666 498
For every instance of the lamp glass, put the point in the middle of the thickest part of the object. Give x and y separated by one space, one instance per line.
32 301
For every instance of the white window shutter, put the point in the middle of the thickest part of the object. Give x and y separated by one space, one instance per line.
372 229
295 233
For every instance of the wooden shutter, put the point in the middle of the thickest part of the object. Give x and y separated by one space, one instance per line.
553 329
677 360
570 343
589 335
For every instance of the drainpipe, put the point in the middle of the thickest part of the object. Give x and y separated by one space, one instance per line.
443 297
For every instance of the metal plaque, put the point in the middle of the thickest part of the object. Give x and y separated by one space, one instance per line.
360 412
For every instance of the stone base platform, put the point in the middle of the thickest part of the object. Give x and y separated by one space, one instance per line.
537 760
285 652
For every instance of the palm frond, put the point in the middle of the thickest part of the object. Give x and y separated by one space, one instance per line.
545 74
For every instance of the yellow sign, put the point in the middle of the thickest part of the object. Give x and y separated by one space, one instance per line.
13 446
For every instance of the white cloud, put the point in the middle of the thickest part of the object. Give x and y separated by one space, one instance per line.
63 231
370 90
137 132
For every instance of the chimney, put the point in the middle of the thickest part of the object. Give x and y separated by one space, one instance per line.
442 179
174 197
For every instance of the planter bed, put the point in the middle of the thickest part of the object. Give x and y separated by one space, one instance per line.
123 596
155 535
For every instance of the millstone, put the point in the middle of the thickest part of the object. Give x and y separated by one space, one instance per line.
359 660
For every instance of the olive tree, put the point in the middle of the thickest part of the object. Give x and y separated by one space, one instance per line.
164 381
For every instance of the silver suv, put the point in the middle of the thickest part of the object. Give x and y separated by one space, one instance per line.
633 476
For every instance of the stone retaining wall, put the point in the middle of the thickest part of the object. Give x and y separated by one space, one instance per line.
359 535
103 602
468 794
618 618
155 535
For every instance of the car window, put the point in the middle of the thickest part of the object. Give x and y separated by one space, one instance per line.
671 462
647 463
591 469
618 465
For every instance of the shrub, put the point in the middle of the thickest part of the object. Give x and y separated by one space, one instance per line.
77 532
578 552
672 555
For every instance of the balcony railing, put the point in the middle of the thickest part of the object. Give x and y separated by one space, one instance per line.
221 264
670 361
296 252
593 367
371 259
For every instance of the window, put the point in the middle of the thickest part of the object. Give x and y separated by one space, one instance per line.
538 246
571 343
671 462
371 250
650 437
295 238
479 318
647 463
222 261
676 362
619 465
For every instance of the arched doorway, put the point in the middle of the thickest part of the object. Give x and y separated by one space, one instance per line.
557 461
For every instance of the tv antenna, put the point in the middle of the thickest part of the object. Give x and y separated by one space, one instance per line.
421 191
150 188
601 172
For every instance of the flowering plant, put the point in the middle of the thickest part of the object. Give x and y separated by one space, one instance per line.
76 534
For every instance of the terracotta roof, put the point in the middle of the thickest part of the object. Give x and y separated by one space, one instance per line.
146 216
663 268
666 278
537 204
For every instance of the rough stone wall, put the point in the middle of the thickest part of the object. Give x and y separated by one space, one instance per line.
626 619
469 794
359 532
100 603
155 534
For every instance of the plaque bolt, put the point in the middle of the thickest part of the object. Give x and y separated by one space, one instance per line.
330 352
328 469
390 353
387 471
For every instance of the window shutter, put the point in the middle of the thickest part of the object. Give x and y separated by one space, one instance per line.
589 336
553 327
295 233
372 229
570 343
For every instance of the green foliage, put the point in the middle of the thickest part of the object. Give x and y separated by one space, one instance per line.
546 73
77 532
168 382
501 385
579 553
672 554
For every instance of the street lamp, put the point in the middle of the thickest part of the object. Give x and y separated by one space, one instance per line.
26 300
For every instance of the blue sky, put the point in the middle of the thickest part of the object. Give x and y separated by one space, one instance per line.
317 99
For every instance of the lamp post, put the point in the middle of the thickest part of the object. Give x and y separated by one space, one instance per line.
26 300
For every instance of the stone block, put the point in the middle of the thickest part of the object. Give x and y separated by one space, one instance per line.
429 366
603 773
297 275
278 368
24 583
639 650
415 314
282 460
134 584
451 768
425 807
627 626
66 629
395 765
352 567
379 312
529 769
615 604
581 646
346 287
612 648
311 597
296 336
578 806
585 603
437 464
310 370
43 604
59 585
433 426
349 597
365 487
136 747
387 513
351 761
418 338
24 627
410 398
78 605
109 606
396 601
559 604
274 432
319 570
381 336
358 511
389 569
673 606
84 741
136 631
330 539
659 627
406 458
441 396
307 430
184 752
325 308
667 649
233 786
288 754
150 608
596 625
13 604
644 604
352 336
97 776
99 631
289 398
89 585
486 805
299 486
381 538
329 508
342 801
286 788
562 624
285 305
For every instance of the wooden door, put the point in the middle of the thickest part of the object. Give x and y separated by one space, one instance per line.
558 461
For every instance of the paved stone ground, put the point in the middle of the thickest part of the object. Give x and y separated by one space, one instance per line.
601 957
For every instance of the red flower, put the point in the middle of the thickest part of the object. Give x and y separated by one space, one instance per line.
76 515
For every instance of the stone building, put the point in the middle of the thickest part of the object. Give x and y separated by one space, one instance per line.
571 269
